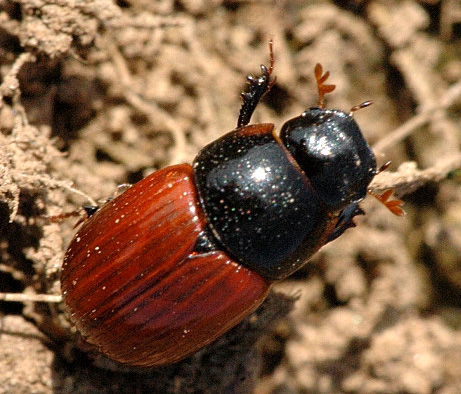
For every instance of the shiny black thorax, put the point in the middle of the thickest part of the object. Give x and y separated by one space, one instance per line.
259 205
272 202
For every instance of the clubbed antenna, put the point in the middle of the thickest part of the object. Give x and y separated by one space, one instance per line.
395 206
322 88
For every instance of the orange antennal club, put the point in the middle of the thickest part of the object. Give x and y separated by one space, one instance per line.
395 206
323 89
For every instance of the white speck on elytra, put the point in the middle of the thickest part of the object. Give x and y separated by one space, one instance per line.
117 220
77 239
104 287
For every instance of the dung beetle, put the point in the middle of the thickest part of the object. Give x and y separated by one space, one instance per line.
188 252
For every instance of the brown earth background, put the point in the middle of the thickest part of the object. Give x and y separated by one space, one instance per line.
98 93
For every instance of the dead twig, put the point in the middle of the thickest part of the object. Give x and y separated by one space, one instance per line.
20 297
400 133
408 177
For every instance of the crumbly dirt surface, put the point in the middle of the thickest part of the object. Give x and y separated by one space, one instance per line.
94 94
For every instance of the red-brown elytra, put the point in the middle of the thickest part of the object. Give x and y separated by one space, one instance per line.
185 254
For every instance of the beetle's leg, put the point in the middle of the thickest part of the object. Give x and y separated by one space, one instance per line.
360 106
86 211
345 220
258 87
83 213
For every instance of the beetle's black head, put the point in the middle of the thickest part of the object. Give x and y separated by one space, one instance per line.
329 147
